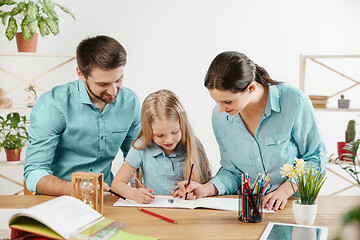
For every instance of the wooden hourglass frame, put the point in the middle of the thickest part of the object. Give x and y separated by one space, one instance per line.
97 181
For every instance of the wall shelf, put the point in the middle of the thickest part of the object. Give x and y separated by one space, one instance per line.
314 58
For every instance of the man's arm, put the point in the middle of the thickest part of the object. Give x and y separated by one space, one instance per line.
46 126
52 185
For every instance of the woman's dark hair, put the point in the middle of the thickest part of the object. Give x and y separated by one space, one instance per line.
101 51
234 71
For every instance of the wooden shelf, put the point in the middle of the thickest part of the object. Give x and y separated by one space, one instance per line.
26 54
337 109
11 110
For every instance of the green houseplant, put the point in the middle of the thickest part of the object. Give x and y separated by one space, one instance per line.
30 16
353 169
13 135
309 181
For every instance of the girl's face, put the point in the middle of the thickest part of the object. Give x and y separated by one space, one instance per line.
230 102
166 134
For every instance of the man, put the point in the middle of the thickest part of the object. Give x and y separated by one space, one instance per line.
80 126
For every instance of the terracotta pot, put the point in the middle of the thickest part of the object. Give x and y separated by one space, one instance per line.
11 156
340 146
304 214
24 45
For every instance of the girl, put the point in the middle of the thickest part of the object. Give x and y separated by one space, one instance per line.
165 149
259 124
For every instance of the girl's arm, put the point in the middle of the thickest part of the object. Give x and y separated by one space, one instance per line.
121 185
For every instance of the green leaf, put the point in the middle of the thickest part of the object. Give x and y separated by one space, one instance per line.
26 29
6 2
43 27
32 12
49 4
53 15
53 26
66 10
11 29
5 17
18 9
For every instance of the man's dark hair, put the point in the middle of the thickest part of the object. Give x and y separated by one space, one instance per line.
102 52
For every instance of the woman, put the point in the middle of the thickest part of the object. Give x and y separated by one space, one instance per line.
260 124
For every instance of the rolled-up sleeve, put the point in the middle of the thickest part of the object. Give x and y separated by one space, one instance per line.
44 132
306 133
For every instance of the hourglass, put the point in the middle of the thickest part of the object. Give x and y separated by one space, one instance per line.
82 184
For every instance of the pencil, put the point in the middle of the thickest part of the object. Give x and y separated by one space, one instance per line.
158 215
117 194
191 170
138 181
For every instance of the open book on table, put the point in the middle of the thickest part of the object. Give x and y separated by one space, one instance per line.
161 201
65 217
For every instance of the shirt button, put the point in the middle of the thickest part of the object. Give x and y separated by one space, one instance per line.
102 137
258 159
279 141
91 170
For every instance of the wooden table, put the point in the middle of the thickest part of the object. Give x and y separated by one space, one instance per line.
207 223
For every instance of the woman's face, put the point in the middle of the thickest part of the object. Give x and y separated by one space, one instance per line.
230 102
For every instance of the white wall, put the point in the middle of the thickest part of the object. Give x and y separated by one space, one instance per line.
170 44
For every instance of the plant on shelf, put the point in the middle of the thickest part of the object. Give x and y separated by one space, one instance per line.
349 137
13 135
31 16
343 103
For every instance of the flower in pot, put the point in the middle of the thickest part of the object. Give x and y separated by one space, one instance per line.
343 149
309 181
13 135
343 103
30 16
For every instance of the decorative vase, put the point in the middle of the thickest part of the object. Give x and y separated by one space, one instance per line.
341 150
11 156
304 214
343 103
24 45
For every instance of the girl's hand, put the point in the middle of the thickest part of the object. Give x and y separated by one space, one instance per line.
277 199
141 195
194 190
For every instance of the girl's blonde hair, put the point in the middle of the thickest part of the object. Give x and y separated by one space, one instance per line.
165 105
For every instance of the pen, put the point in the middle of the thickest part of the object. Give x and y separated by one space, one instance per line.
117 194
138 181
157 215
191 170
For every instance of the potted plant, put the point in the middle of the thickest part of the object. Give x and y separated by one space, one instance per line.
30 16
349 137
13 135
343 103
353 169
309 181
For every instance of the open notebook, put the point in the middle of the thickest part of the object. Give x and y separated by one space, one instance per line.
228 204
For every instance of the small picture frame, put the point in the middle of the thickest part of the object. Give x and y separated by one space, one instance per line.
275 230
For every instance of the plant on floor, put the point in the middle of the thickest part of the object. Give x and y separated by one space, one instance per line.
31 15
13 132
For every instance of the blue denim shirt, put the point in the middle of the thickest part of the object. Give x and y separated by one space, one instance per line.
287 129
160 172
68 133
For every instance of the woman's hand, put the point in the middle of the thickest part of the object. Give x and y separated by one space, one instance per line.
141 195
277 199
194 190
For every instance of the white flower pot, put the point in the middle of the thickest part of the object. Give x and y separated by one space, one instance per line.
304 214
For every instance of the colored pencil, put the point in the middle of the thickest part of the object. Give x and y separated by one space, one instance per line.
191 170
117 194
158 215
138 181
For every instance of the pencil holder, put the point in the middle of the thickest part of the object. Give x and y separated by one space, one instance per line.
82 184
250 207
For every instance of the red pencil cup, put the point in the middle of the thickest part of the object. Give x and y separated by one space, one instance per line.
250 207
